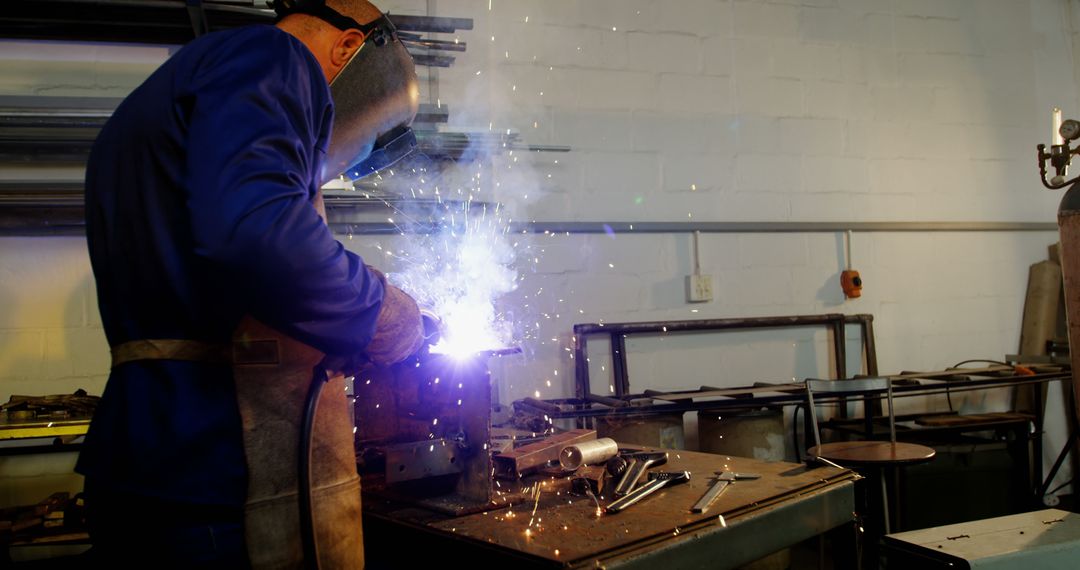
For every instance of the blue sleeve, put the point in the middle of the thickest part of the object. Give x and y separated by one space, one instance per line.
256 117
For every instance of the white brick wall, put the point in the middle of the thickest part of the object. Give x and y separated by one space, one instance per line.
699 110
51 340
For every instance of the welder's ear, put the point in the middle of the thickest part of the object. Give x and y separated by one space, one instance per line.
345 46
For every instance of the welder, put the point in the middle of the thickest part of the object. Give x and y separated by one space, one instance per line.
220 286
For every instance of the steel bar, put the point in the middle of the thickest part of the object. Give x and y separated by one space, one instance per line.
435 24
619 363
432 60
659 327
441 45
839 337
514 463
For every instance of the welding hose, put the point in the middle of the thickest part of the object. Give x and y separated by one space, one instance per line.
319 378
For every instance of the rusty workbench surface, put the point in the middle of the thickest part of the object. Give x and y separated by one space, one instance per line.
558 530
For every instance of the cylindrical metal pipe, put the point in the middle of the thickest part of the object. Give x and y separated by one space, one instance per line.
588 453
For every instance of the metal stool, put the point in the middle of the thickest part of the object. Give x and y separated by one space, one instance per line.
876 455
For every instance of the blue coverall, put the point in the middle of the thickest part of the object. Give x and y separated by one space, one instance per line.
198 211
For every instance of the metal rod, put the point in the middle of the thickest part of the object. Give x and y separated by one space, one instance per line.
866 322
884 500
892 416
813 416
605 400
840 346
581 367
705 324
839 329
619 364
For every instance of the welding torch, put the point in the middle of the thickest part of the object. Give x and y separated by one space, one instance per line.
433 328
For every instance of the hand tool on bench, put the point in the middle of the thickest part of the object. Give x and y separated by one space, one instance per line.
656 482
638 463
723 480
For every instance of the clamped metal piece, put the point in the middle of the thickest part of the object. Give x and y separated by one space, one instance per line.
639 462
656 482
723 480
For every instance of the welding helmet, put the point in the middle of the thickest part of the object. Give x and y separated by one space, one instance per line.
376 95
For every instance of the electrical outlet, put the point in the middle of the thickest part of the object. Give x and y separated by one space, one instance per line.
699 288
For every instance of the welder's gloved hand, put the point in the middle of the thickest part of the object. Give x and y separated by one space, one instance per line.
399 332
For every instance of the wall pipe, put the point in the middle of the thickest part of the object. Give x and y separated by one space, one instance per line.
340 226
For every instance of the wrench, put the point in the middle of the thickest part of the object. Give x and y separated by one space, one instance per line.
723 479
656 482
639 462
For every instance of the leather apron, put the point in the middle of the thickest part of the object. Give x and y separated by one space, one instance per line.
273 373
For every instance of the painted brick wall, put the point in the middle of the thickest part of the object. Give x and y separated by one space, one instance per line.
706 110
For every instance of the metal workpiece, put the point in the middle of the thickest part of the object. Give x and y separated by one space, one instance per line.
422 459
514 463
426 424
588 453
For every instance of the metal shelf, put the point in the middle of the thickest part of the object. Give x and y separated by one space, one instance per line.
163 21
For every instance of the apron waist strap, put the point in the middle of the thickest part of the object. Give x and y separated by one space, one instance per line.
250 352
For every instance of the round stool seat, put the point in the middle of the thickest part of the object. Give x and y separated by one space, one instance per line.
872 453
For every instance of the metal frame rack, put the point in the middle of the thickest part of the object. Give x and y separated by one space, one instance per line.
617 332
587 406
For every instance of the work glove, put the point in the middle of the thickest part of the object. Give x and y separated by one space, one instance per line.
399 331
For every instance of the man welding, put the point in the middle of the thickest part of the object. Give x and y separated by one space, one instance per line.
220 287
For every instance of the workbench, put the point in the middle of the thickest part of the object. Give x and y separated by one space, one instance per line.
552 528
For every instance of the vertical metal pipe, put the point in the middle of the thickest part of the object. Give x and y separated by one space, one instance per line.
869 345
839 328
618 364
812 414
892 416
697 252
848 249
581 365
839 347
871 407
